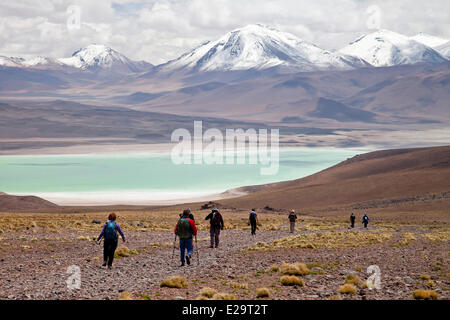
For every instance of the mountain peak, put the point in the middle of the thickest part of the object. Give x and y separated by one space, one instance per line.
98 56
256 46
95 55
429 40
388 48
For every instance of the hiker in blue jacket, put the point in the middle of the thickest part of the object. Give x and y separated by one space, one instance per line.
109 233
365 220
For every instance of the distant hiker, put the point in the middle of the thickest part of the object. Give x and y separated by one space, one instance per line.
365 220
109 233
253 218
352 220
216 224
292 218
185 230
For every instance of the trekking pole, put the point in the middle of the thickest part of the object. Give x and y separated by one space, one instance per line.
196 247
173 249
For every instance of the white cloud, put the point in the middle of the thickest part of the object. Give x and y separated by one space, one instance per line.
160 30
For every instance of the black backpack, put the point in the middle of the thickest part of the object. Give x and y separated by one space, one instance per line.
215 220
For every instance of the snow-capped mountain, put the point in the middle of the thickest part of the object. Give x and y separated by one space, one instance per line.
102 57
429 40
259 47
444 49
441 45
387 48
11 61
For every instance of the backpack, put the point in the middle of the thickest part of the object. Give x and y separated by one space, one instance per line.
184 230
215 220
366 218
292 217
253 216
110 231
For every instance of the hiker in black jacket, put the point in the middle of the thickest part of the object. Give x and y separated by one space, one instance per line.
352 220
216 224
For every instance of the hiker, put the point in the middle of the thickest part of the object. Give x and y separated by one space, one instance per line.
365 220
109 233
185 229
292 218
190 214
253 218
352 220
216 224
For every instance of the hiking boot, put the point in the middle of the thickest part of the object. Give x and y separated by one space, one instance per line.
109 267
182 264
104 264
188 260
211 246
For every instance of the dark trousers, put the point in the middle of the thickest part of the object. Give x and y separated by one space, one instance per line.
253 224
365 224
214 232
353 223
109 247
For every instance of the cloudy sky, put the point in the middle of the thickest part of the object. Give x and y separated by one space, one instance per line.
159 30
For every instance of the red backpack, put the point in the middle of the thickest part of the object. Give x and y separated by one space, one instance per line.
215 220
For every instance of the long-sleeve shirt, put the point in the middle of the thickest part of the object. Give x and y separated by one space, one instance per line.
210 218
191 224
117 229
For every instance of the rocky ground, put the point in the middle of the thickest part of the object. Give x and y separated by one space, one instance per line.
34 261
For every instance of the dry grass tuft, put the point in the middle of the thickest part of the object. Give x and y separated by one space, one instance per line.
262 292
352 279
275 268
236 285
430 283
425 294
291 281
125 295
174 282
122 252
335 298
425 277
208 292
347 288
223 296
298 269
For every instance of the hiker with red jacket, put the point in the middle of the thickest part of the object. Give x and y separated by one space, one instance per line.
292 218
185 229
109 233
216 224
